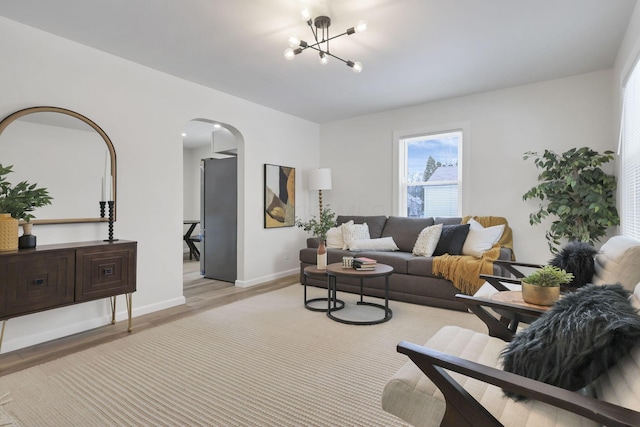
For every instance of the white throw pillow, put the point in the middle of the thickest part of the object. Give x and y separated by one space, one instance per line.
382 244
334 238
480 239
427 240
351 232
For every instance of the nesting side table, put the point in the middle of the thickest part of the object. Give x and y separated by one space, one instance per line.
337 304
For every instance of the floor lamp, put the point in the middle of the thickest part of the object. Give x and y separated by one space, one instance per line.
320 179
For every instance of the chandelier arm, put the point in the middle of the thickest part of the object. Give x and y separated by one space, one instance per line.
337 57
315 33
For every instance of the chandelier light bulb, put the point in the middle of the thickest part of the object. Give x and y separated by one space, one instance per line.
324 59
294 41
289 54
306 14
361 26
357 67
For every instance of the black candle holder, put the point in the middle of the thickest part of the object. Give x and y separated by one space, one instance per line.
111 204
102 208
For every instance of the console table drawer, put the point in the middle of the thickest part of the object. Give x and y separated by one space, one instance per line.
103 272
36 282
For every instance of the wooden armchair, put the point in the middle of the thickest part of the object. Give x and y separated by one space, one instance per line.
456 380
463 410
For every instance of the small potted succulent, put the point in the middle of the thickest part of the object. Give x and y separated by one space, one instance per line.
16 203
542 287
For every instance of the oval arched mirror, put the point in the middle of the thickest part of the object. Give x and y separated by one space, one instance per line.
66 153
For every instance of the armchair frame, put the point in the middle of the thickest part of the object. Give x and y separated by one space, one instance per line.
511 315
462 410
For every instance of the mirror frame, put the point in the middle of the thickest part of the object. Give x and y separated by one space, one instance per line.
112 153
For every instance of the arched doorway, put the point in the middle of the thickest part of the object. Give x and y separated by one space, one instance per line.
210 163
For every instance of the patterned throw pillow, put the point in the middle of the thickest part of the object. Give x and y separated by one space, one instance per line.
351 232
427 240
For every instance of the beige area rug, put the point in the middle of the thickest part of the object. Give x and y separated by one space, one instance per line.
263 361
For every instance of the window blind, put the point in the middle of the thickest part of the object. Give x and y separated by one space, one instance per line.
630 157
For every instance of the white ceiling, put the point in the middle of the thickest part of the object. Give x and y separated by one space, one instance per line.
415 51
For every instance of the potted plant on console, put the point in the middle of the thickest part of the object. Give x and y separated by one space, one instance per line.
542 287
16 203
319 229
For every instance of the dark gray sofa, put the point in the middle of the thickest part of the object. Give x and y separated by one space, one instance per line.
411 280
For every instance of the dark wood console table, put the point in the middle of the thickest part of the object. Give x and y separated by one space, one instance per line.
52 276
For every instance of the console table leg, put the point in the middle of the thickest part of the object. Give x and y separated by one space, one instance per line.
113 310
129 298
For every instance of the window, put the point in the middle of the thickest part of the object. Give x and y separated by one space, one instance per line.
430 174
629 182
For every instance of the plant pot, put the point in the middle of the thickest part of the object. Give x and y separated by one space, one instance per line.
27 240
8 233
540 295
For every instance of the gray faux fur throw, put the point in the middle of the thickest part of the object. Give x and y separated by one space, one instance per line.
576 341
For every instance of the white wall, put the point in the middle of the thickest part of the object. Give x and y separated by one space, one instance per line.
504 124
144 112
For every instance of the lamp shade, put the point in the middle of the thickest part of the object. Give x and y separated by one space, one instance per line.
320 179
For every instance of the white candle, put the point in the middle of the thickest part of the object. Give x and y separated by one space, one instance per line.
111 193
106 174
102 199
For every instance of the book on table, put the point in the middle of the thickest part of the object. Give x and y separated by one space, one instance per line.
363 263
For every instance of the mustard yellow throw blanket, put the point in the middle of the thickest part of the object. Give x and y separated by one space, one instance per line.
465 270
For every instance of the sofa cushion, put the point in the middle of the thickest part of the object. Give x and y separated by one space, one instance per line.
618 262
397 260
375 223
405 231
452 239
411 395
447 220
420 266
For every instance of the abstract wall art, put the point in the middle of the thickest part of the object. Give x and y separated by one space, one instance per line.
279 196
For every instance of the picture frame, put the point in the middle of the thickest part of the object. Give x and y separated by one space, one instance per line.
279 196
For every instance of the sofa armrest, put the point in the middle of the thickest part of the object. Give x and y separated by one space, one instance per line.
463 410
313 242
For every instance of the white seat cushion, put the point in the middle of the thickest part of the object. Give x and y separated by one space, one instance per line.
410 394
618 261
487 289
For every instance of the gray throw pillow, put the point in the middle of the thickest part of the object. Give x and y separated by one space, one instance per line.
452 239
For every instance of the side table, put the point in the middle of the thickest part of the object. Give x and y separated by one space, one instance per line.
313 271
509 306
337 270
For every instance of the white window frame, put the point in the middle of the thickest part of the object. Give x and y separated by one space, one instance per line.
399 157
629 155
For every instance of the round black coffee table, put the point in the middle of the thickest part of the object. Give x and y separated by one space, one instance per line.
334 271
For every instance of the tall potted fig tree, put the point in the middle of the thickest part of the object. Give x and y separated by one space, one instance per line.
576 191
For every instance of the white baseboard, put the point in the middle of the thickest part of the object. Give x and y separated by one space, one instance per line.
267 278
81 324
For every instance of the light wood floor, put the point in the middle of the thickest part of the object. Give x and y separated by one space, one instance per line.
201 294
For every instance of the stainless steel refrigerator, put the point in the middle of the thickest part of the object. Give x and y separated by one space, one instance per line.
219 218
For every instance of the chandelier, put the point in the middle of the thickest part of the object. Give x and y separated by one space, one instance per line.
320 29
